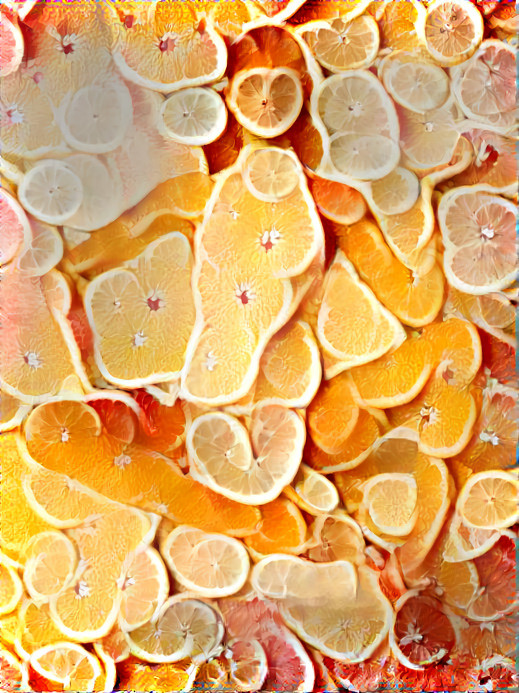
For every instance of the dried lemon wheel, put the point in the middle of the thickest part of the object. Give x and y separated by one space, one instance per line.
51 191
194 116
271 174
451 30
489 500
266 101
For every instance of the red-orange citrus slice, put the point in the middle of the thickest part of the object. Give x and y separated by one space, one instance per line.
13 673
15 224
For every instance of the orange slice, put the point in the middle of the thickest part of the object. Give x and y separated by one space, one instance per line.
451 30
397 25
414 297
11 587
496 595
167 47
35 628
442 414
15 223
13 672
144 587
266 101
312 492
196 115
132 307
391 500
478 233
347 309
67 664
135 674
456 348
51 561
337 537
12 412
333 414
394 378
337 201
282 529
252 470
489 500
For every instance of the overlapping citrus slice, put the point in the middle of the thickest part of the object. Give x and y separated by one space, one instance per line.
312 492
391 501
352 325
43 251
12 412
395 193
15 224
489 500
282 529
166 47
135 674
246 466
196 115
11 40
337 201
13 672
397 25
462 543
11 587
479 237
333 414
51 561
67 664
481 640
132 308
51 191
336 537
144 586
35 628
456 348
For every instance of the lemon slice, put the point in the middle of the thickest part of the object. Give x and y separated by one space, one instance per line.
391 500
43 252
363 157
95 119
451 30
489 500
50 565
51 191
313 492
271 174
395 193
11 588
415 84
194 116
266 101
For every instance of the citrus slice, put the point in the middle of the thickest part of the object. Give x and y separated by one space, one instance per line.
422 633
248 664
496 595
489 500
196 115
347 304
13 672
282 529
43 252
395 193
455 347
183 627
391 502
144 587
413 82
337 537
313 492
363 157
35 628
211 565
15 225
113 646
494 163
478 232
266 101
12 412
271 174
11 40
95 119
337 201
451 30
413 296
480 641
130 308
134 674
68 664
252 471
11 587
51 191
462 543
339 44
51 561
394 378
397 25
333 414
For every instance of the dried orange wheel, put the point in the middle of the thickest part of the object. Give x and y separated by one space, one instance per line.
196 115
489 500
271 174
266 101
451 30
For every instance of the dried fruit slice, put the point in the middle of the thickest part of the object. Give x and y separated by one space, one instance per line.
337 537
166 48
414 296
489 500
252 471
211 565
144 587
16 230
68 664
333 414
13 672
347 304
395 378
337 201
271 174
184 627
282 529
363 157
195 116
313 492
51 191
131 309
266 101
339 44
496 595
51 561
391 500
11 587
134 674
451 30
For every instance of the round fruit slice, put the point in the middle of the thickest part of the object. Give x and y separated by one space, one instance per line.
35 628
363 157
337 201
496 569
266 101
340 45
183 627
13 672
271 174
489 500
313 492
11 41
95 119
51 191
282 529
144 587
113 646
194 116
462 543
455 347
16 230
11 587
414 83
68 664
337 537
51 560
212 565
12 412
248 664
43 252
251 471
494 164
395 193
451 30
391 502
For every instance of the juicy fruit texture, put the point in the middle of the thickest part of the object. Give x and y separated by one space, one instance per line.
259 428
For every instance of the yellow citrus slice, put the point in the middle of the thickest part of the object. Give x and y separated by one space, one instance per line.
248 470
216 565
478 232
313 492
183 627
35 628
12 412
451 30
337 201
347 304
68 664
11 587
166 47
13 672
51 191
271 174
282 529
489 500
16 227
339 44
51 561
363 157
333 414
266 101
414 82
395 193
43 252
130 308
391 500
196 115
336 537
